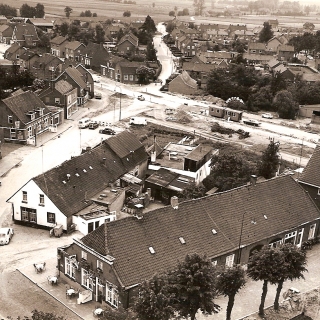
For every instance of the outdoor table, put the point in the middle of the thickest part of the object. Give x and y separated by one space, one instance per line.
98 311
71 292
53 280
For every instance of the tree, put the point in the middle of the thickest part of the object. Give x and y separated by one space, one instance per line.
170 26
172 13
185 12
262 99
8 11
285 105
229 282
67 11
151 54
198 7
270 160
193 286
144 74
39 10
230 170
293 267
266 33
192 191
120 34
149 25
309 26
264 266
27 11
154 300
99 34
64 29
127 13
39 315
88 13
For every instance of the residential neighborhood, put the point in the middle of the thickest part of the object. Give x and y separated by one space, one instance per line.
160 161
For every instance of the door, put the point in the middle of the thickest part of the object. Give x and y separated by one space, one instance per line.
90 227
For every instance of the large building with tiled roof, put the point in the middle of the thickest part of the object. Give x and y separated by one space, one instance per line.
183 83
25 35
310 177
23 117
115 258
58 46
55 196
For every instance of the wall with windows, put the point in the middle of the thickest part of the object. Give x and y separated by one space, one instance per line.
31 206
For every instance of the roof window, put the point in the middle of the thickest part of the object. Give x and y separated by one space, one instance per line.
265 216
214 231
63 182
152 251
182 240
77 174
90 168
84 170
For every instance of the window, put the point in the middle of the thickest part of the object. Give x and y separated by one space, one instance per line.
290 237
56 100
86 279
125 77
51 217
84 255
128 48
276 243
24 214
214 262
10 120
312 231
319 192
253 51
24 196
131 77
70 269
112 294
41 199
28 215
229 260
100 264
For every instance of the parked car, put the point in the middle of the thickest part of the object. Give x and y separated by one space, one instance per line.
251 122
93 125
108 131
141 97
5 235
267 115
171 119
96 78
98 95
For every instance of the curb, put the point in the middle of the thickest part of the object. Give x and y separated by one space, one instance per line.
51 295
14 166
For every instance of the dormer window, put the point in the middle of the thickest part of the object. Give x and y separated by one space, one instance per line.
32 116
10 120
41 112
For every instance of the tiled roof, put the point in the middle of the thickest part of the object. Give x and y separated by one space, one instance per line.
131 38
199 152
187 80
263 210
63 86
22 103
76 76
73 45
58 40
22 30
286 47
41 22
47 59
70 197
311 173
256 46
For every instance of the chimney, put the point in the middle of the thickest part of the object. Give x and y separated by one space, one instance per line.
253 179
174 201
68 177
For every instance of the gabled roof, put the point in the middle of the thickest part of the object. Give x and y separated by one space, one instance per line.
58 40
258 212
6 30
285 47
187 80
131 38
22 103
70 196
256 46
75 75
63 86
41 22
311 173
23 30
73 45
47 59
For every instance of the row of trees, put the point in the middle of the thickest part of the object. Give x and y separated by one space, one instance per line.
8 11
27 11
308 42
88 13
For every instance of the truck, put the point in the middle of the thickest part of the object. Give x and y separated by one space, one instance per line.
138 121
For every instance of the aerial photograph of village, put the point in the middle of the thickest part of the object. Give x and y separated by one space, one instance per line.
160 160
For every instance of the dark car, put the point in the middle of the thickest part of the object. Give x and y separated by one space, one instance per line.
107 131
93 125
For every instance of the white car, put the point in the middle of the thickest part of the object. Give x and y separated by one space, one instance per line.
96 78
5 235
267 115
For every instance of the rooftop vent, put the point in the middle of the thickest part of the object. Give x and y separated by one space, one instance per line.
100 198
68 176
63 182
265 216
84 170
253 221
174 202
77 174
152 251
182 240
103 195
214 231
90 168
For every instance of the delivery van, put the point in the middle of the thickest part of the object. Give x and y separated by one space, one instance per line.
84 123
138 121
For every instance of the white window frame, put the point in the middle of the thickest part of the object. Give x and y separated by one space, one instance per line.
112 295
51 217
70 269
275 244
131 77
24 214
125 77
230 260
56 100
312 231
100 264
10 119
86 281
24 196
41 199
289 235
84 255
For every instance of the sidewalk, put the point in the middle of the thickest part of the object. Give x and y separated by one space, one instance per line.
58 292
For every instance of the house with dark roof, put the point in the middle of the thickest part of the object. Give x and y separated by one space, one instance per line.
96 179
285 52
109 69
5 33
126 71
78 81
46 25
74 49
62 94
183 83
116 257
310 177
25 35
13 52
46 67
58 46
23 117
272 45
256 48
94 55
128 43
